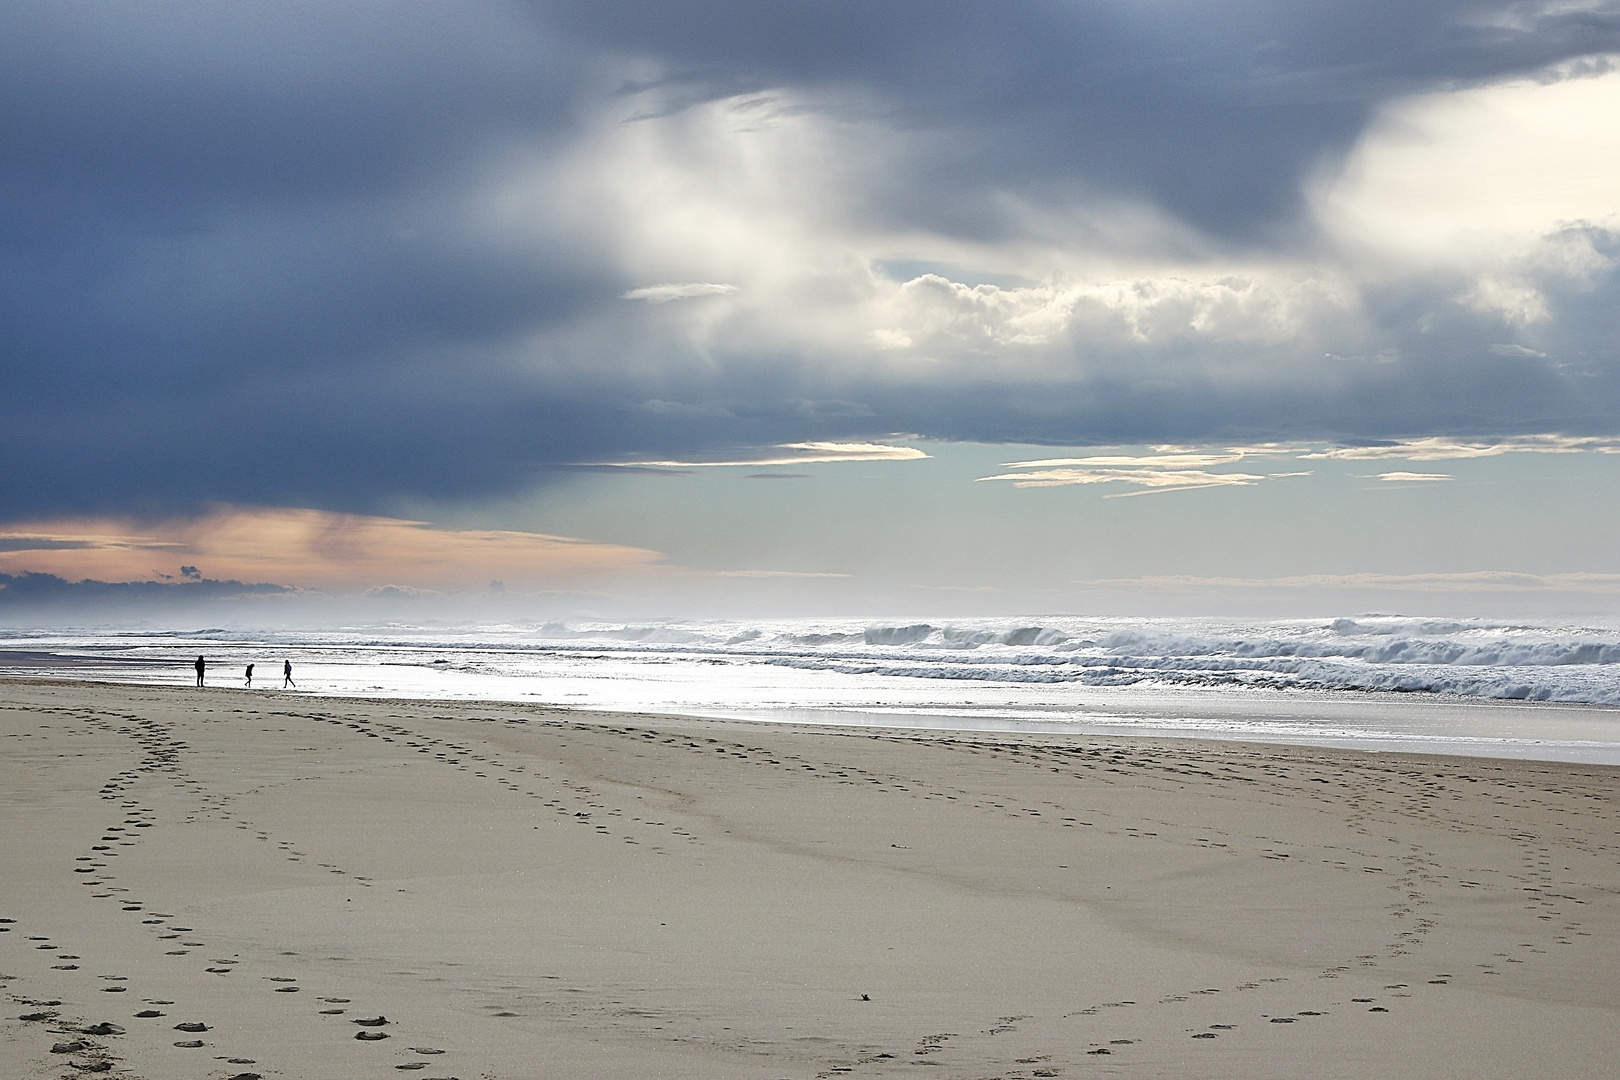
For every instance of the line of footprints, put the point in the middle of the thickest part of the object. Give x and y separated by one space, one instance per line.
98 1056
83 1044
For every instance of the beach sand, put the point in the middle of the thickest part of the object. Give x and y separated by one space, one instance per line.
524 893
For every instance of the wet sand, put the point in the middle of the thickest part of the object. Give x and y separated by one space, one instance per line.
504 892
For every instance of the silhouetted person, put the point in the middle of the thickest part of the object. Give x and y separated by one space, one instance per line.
199 665
286 674
250 675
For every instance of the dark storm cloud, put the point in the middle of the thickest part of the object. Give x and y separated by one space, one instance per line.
239 259
42 543
1215 110
27 591
234 261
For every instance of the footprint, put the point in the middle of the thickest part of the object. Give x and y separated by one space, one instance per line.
190 1044
191 1026
370 1036
377 1021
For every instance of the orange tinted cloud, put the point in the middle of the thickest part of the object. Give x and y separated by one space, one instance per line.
311 548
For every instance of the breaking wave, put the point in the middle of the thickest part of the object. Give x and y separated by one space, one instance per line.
1481 658
1367 653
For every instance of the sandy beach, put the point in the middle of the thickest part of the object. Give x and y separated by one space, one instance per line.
216 883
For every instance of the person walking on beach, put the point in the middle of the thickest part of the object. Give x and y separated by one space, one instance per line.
199 665
250 676
286 674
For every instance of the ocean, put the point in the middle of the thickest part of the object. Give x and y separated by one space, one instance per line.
1377 682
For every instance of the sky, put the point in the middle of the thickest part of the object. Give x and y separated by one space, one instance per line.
696 309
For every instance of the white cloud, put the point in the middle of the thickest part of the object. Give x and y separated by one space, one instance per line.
1182 468
1176 460
1469 171
801 454
1441 449
1156 480
1517 352
1414 477
1173 469
663 294
1215 304
1491 192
